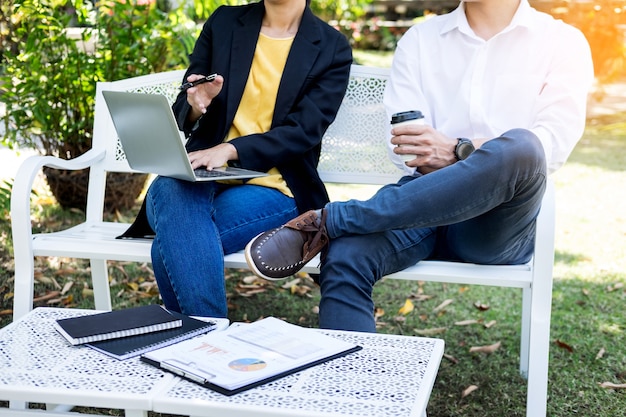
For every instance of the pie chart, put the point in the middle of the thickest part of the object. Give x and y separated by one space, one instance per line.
247 364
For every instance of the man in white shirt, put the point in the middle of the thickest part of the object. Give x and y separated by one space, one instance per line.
503 90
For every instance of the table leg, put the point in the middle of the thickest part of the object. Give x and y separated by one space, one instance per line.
136 413
17 405
59 408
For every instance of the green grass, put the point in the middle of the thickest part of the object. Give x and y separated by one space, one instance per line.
588 302
588 299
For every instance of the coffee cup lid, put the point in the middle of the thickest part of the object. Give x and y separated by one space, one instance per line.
406 115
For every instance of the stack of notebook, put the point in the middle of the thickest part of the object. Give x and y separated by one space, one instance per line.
130 332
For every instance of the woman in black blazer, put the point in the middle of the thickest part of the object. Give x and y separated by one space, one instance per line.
282 74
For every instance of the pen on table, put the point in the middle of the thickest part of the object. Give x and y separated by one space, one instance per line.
186 86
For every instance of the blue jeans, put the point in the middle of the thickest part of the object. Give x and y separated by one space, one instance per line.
196 224
479 210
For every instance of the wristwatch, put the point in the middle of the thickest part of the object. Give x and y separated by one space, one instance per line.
464 148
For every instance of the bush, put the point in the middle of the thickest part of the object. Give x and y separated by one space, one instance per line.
5 199
64 47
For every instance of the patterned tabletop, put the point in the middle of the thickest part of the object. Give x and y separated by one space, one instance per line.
39 365
392 376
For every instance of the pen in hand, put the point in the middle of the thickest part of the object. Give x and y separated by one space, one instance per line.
186 86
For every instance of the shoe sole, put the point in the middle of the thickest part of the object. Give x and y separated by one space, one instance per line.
247 252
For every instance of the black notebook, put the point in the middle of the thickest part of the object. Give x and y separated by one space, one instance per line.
118 323
243 357
128 347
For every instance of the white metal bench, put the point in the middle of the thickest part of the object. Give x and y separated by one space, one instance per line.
354 152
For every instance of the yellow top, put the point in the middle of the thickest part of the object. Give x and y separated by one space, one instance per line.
256 109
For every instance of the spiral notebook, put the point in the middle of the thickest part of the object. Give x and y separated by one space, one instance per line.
115 324
128 347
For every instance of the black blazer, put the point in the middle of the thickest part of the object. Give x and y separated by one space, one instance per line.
313 84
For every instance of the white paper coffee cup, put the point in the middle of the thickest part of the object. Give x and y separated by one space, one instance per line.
410 117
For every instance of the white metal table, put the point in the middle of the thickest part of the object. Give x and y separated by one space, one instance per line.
37 365
392 376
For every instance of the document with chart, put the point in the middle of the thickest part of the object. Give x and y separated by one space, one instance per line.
248 355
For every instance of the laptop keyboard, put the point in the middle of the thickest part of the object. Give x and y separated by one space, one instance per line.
203 173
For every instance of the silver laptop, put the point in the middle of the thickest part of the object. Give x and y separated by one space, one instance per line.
152 142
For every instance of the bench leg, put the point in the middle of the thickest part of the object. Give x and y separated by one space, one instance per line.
100 282
17 405
59 408
24 282
135 413
525 332
539 351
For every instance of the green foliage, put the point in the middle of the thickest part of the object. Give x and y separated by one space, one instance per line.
5 199
64 47
200 10
330 10
7 30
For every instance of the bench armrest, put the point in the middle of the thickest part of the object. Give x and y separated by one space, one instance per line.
23 186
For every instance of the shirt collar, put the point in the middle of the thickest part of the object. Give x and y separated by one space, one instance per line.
458 20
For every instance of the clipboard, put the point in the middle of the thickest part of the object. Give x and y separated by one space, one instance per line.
200 379
233 361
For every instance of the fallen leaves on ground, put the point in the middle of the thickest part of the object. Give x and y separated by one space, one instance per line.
467 391
466 322
48 296
451 358
443 305
481 306
564 345
301 290
68 285
430 332
66 301
42 279
249 285
490 324
420 297
291 283
298 286
600 353
486 349
120 267
612 385
406 308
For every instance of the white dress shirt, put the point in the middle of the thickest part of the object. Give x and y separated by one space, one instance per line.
535 74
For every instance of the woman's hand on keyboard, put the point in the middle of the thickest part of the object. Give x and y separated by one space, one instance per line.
214 157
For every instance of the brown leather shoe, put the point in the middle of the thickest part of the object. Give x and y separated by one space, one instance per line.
280 253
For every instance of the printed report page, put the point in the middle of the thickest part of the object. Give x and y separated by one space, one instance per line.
248 353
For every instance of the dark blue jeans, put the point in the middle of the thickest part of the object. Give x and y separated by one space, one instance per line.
196 224
480 210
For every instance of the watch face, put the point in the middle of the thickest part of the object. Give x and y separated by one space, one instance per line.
464 149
